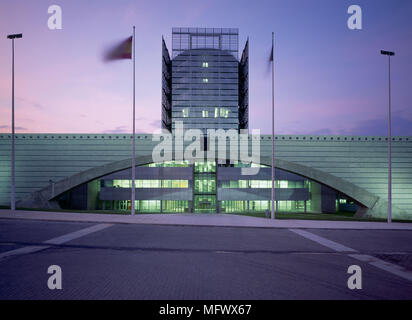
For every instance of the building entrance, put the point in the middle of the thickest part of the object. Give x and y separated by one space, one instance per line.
204 187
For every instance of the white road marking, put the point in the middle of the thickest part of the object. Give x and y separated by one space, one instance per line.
55 241
77 234
24 250
325 242
378 263
387 266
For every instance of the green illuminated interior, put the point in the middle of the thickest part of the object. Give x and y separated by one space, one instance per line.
151 183
168 164
207 204
262 184
205 183
205 192
204 204
261 206
205 167
154 206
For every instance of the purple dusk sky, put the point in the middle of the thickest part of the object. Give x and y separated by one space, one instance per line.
329 79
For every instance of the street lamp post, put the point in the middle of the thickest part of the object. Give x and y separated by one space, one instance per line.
13 199
389 54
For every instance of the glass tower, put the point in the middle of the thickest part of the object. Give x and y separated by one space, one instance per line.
204 84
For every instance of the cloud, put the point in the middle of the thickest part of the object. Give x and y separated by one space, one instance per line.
143 125
401 126
156 124
31 103
16 128
119 129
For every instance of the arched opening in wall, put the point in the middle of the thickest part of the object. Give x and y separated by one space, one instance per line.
294 193
160 187
345 204
206 187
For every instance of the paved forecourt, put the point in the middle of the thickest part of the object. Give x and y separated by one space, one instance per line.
222 220
143 261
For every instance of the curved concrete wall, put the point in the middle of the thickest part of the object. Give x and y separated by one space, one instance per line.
359 163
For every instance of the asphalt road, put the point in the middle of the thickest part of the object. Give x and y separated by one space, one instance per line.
122 261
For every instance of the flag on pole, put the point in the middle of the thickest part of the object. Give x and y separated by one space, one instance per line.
271 61
126 50
271 54
123 50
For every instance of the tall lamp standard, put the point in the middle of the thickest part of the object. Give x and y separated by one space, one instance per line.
389 54
13 199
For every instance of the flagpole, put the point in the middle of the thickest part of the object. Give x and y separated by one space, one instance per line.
273 127
13 183
134 124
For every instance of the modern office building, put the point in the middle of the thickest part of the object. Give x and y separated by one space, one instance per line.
205 86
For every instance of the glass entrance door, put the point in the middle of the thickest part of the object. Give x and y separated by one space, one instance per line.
205 204
204 187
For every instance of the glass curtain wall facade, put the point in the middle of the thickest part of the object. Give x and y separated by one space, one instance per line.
166 88
204 193
208 84
184 39
244 88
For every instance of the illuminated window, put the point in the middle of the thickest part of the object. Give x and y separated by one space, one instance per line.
140 183
208 166
175 206
173 164
243 184
205 64
205 203
254 184
147 205
233 184
221 112
205 113
205 185
224 112
259 206
283 184
179 184
185 112
205 80
234 206
122 183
